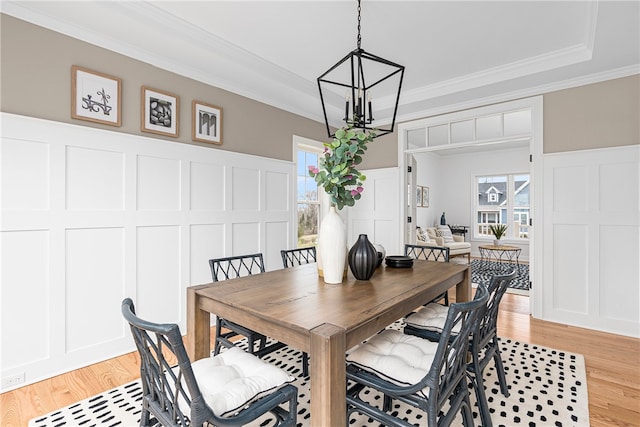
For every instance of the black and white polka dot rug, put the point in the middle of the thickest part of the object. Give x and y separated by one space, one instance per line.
547 388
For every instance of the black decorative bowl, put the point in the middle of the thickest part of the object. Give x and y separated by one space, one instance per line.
399 261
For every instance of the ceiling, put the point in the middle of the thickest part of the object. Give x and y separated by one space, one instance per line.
457 54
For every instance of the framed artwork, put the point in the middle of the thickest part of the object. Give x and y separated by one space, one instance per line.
418 195
95 96
425 197
159 112
207 122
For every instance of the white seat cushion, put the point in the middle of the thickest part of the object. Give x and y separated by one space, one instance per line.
397 357
454 246
432 317
233 378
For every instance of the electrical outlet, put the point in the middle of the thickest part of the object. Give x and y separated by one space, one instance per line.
13 380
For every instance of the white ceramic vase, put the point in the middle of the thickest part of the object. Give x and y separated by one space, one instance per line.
332 247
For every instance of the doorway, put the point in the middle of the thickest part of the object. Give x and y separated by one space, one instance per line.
451 150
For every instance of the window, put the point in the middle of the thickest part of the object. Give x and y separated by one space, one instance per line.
308 202
503 199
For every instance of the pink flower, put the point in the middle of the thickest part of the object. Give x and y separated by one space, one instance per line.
360 189
349 176
314 170
354 192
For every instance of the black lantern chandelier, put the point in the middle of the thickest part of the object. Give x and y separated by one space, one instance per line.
356 77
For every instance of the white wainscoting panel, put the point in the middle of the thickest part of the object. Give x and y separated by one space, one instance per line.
276 199
591 242
25 277
207 187
246 189
619 263
378 212
158 273
91 216
207 242
26 163
245 238
94 286
573 188
95 180
572 242
611 177
276 237
158 185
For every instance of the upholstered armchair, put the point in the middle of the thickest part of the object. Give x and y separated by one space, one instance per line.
442 236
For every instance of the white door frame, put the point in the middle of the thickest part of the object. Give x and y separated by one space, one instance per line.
535 104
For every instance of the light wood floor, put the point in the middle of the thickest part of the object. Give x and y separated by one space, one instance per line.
612 364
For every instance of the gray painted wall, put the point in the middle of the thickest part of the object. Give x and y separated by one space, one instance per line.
599 115
36 81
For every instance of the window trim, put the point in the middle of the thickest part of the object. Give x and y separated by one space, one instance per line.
308 145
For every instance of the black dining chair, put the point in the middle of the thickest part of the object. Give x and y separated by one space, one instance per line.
216 390
430 253
392 363
226 268
291 258
428 322
298 256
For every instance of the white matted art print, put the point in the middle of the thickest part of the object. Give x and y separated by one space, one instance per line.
425 197
95 96
207 123
159 112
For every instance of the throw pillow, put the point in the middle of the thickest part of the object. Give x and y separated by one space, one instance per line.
422 234
445 232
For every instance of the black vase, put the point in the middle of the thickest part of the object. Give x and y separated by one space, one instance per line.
443 220
363 258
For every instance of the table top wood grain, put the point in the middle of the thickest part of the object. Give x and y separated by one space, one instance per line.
299 300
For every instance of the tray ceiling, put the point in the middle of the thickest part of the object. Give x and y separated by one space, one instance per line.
457 54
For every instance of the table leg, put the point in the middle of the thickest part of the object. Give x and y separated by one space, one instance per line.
463 289
198 328
328 376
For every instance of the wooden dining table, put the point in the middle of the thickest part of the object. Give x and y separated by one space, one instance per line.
296 307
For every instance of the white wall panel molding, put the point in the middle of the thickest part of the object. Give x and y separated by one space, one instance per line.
90 216
377 214
207 197
592 239
94 180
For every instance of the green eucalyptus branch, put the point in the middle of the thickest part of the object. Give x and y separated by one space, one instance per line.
337 172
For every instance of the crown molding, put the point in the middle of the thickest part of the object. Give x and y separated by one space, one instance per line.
514 70
266 82
230 60
525 93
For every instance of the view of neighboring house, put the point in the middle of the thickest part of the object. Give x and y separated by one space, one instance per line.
494 197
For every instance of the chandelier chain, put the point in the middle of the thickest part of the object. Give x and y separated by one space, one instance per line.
349 74
359 38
